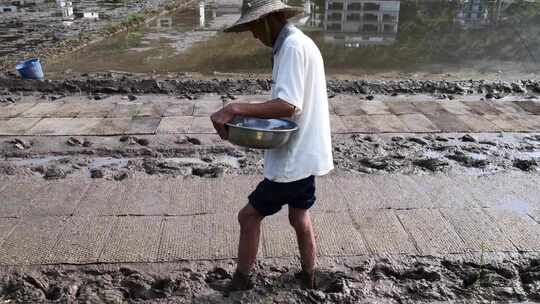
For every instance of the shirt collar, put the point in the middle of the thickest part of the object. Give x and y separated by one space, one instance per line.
286 30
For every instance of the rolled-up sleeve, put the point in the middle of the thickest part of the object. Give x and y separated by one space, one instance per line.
290 79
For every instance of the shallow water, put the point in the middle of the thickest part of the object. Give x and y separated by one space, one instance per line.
99 162
415 39
518 206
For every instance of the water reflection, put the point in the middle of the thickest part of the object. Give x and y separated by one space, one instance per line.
481 12
215 15
202 17
205 16
69 13
66 7
356 23
472 36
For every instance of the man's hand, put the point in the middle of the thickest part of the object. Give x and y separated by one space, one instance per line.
275 108
220 118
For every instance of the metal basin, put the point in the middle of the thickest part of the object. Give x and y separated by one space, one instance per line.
260 133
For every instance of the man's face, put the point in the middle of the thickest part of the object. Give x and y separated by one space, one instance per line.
258 29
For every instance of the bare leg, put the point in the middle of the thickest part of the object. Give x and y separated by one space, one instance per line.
301 221
250 231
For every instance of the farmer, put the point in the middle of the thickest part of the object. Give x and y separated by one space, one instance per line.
298 94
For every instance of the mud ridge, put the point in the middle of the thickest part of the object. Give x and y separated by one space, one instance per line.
110 83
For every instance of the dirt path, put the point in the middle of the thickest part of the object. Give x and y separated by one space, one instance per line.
126 83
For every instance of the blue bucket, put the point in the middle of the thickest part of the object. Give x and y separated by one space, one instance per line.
30 69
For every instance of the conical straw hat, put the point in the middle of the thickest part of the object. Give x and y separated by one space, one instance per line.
257 9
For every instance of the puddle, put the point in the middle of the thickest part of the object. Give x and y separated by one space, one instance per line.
36 161
476 156
97 162
184 160
101 162
431 154
227 160
528 155
461 39
518 206
107 162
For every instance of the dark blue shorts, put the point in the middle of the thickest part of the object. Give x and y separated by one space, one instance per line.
269 196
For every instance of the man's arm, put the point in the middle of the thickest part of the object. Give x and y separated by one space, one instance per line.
275 108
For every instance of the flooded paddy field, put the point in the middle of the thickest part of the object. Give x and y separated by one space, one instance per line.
395 39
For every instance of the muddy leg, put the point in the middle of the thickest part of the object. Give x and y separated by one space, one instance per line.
250 231
300 219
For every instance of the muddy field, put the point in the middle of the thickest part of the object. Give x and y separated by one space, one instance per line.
483 278
207 156
478 278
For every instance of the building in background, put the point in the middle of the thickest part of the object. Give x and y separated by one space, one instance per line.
164 22
8 9
357 23
91 15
